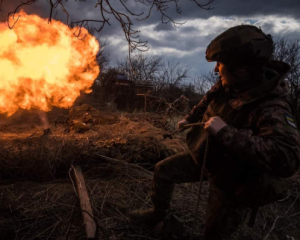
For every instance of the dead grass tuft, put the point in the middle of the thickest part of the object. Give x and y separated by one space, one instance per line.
38 200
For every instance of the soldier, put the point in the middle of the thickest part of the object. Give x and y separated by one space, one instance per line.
253 138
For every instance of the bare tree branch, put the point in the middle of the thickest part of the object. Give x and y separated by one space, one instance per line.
289 51
28 2
205 81
205 6
124 16
153 70
146 68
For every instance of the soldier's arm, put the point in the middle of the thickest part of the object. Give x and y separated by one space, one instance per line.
275 147
198 111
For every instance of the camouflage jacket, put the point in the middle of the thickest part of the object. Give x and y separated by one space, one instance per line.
260 146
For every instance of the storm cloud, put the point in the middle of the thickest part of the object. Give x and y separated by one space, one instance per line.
187 42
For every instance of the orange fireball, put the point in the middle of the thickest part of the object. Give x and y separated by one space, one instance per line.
44 65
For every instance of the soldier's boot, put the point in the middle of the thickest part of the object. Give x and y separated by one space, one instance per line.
149 217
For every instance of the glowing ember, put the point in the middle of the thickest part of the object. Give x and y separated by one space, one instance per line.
44 65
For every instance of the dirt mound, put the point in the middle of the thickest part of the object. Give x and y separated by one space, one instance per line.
28 152
157 120
88 114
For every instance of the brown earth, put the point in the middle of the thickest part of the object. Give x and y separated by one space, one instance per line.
37 196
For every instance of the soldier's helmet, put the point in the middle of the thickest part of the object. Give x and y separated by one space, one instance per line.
241 45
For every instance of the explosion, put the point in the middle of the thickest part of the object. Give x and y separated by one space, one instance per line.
44 65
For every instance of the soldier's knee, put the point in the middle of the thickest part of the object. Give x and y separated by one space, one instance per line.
159 168
170 167
163 173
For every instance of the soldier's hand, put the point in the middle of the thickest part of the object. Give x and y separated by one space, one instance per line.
180 125
214 125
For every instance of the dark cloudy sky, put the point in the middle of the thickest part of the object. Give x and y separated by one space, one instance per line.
187 43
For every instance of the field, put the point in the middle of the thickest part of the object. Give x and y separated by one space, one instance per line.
117 153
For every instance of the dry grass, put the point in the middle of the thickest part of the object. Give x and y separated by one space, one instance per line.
27 152
31 210
50 210
38 200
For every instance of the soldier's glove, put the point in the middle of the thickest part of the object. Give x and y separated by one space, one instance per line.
180 125
214 125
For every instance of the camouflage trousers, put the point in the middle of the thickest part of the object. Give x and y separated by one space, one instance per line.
222 217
